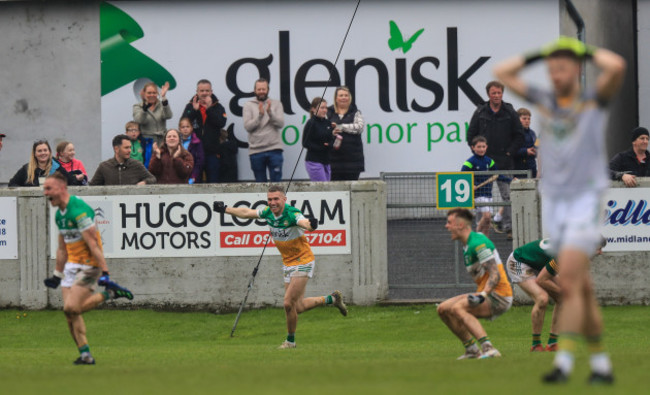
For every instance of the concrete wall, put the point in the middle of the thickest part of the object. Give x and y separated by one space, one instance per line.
49 79
611 24
217 283
619 277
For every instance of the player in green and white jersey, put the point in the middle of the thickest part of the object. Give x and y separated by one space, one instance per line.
493 296
287 226
80 262
574 177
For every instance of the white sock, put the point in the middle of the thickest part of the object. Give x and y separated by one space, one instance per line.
564 362
486 346
473 348
497 217
600 363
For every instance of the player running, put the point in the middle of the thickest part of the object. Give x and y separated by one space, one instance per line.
80 262
493 296
524 266
287 226
574 177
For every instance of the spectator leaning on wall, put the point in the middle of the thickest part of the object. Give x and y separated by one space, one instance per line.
626 166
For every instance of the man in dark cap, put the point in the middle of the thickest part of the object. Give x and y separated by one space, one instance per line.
626 166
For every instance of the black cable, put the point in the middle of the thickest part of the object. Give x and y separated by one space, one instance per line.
327 85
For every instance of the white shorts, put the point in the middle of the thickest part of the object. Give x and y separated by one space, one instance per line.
81 275
304 270
519 271
498 304
483 209
574 221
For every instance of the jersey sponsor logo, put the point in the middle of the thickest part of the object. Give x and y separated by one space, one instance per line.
280 233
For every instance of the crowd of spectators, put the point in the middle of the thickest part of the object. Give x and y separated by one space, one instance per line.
203 150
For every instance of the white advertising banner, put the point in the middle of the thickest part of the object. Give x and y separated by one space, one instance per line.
627 219
8 228
142 226
417 69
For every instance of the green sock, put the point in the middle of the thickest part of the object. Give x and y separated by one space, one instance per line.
484 339
84 349
537 339
552 338
291 337
469 342
329 299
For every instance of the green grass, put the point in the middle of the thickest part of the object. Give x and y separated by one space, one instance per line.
375 350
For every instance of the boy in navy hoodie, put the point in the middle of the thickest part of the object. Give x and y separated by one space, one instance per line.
476 163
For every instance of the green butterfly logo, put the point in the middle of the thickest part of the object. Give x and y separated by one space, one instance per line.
396 39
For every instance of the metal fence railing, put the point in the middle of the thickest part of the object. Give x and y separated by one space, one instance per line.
423 262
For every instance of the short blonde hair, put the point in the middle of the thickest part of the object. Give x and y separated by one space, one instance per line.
523 111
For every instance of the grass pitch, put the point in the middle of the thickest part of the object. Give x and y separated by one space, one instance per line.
375 350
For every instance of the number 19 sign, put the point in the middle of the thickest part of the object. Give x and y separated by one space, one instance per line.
454 190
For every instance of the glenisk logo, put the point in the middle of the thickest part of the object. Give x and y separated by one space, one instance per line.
396 39
400 71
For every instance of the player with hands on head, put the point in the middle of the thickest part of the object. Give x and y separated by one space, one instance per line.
575 176
80 262
287 225
493 296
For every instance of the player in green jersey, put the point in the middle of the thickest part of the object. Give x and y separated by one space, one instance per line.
523 267
493 296
287 226
80 262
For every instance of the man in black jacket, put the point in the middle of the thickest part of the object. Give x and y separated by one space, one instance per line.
208 117
499 123
626 166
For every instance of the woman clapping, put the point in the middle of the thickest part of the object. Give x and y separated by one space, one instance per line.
171 163
153 112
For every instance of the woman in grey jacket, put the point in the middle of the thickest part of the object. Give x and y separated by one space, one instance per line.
152 113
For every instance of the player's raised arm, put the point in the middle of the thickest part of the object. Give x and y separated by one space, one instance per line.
240 212
507 72
612 74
